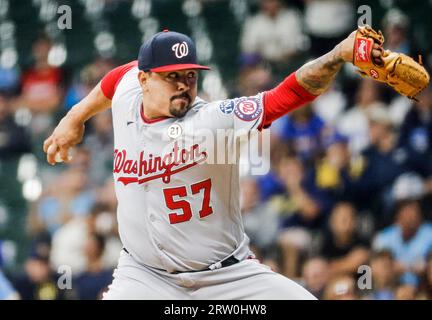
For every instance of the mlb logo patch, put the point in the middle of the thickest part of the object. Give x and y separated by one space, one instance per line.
248 109
227 106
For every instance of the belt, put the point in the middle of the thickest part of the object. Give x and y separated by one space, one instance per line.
222 264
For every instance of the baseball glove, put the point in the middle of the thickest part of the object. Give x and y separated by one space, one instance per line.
398 70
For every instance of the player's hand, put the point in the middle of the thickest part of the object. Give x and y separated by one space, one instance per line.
346 48
67 134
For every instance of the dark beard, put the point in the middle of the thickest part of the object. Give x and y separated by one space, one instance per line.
180 113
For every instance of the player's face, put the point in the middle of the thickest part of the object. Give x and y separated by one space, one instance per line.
172 92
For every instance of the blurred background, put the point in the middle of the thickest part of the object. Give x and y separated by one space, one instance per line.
351 174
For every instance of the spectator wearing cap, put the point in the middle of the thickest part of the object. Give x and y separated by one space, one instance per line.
270 185
299 206
409 239
303 130
335 176
342 245
253 76
408 186
386 161
275 32
396 32
411 186
38 281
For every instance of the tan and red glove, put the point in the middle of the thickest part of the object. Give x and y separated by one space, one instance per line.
398 70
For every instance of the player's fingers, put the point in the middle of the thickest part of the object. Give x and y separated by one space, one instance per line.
377 53
47 143
51 152
64 154
377 56
377 46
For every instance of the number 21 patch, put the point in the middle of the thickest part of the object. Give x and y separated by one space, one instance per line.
248 109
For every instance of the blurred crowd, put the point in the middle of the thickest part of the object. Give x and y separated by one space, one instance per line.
350 182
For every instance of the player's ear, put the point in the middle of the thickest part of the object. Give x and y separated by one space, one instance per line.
143 78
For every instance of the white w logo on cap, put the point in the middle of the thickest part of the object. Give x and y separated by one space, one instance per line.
181 49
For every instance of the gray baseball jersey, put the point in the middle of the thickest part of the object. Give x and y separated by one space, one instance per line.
177 209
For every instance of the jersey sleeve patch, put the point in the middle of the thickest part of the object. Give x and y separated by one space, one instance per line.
227 106
248 108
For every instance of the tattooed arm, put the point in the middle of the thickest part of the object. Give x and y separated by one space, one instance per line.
317 76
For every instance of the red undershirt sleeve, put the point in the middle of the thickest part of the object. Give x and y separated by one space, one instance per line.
110 81
286 97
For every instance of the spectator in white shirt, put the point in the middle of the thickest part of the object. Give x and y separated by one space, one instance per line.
275 32
354 123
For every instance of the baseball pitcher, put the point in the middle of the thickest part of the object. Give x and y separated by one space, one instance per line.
178 215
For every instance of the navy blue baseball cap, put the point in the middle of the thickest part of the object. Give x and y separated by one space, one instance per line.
333 138
168 51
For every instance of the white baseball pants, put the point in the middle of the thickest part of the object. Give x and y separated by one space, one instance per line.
247 279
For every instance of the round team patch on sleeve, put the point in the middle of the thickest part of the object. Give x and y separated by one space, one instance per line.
248 109
227 106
